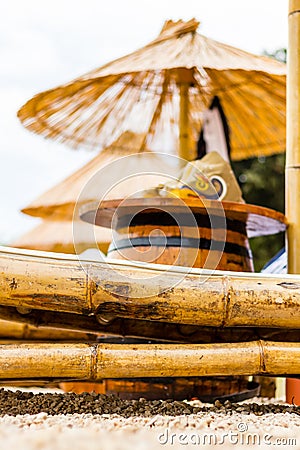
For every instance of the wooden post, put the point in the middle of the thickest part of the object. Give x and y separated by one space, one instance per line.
184 122
187 149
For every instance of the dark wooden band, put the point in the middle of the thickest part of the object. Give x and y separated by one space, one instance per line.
175 241
163 219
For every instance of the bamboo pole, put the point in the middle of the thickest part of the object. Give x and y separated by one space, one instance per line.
33 280
185 80
293 138
39 324
100 361
15 330
184 122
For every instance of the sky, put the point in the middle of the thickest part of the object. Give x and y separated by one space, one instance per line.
44 44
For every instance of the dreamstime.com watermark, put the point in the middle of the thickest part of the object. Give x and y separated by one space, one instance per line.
240 437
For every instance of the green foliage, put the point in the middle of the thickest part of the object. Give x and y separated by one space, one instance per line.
262 183
279 54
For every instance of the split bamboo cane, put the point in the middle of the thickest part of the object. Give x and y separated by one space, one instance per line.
100 361
15 330
33 280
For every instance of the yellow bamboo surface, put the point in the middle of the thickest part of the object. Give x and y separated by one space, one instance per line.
99 361
109 290
142 91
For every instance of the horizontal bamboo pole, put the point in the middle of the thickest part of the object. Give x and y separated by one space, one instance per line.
37 325
39 281
100 361
74 325
15 330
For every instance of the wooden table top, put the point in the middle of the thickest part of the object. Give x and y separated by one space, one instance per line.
260 221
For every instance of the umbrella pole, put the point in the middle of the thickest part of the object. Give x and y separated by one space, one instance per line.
184 140
293 159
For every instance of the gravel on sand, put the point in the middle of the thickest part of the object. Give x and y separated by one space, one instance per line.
66 421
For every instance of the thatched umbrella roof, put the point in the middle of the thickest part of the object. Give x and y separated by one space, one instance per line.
161 91
116 172
54 236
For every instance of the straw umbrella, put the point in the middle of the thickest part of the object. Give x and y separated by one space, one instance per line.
161 91
54 236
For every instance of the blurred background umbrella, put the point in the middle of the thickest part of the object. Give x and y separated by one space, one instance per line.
109 169
58 205
54 236
162 90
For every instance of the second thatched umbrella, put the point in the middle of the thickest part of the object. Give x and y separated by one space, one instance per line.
162 90
110 174
54 236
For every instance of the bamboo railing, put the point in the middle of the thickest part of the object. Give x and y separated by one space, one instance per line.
226 323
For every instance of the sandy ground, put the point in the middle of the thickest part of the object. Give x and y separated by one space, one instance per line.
76 432
112 432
